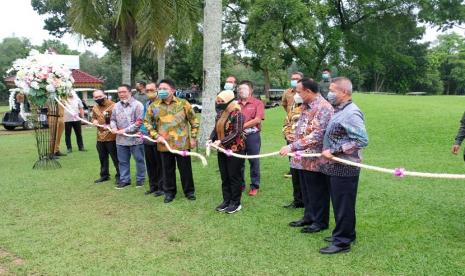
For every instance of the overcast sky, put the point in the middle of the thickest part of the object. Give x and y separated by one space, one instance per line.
19 19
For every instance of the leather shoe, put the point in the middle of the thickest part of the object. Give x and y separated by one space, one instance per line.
313 228
328 239
191 197
158 193
168 199
148 192
334 249
102 179
299 223
294 205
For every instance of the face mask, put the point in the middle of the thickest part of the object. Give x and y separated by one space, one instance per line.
298 99
163 94
223 106
293 83
228 86
325 76
332 98
100 101
244 93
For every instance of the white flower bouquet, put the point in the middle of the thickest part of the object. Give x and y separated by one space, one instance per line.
40 78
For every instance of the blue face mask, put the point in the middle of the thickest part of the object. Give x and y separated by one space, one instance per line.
332 98
228 86
293 83
325 76
163 94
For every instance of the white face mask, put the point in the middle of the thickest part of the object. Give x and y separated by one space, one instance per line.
245 93
298 99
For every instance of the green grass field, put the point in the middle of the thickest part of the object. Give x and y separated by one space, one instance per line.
60 223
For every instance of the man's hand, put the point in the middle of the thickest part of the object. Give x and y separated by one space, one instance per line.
193 143
290 137
160 139
114 130
95 122
121 131
284 151
327 154
455 149
217 143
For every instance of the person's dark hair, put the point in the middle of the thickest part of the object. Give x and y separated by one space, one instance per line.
310 85
326 69
248 83
169 82
298 73
126 85
232 76
142 83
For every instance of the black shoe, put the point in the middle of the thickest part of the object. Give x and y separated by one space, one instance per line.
53 157
313 228
222 207
299 223
139 184
82 149
158 193
294 205
168 199
59 154
149 192
328 239
191 197
333 249
102 179
70 150
122 185
232 208
117 180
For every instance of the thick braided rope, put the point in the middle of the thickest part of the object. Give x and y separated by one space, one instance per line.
399 172
141 136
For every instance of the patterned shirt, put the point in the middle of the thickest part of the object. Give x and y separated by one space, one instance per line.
99 112
290 123
309 133
234 138
172 122
288 99
127 116
345 137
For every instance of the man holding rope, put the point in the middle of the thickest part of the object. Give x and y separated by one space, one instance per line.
175 122
314 118
345 137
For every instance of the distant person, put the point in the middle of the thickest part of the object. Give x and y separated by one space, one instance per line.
106 141
325 82
140 93
227 134
126 118
152 155
173 120
230 83
72 122
459 137
345 137
288 95
254 112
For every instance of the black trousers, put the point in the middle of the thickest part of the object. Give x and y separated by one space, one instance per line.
154 167
169 161
296 186
315 194
231 178
343 196
253 143
104 150
77 130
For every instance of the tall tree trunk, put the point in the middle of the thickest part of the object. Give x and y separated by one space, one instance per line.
211 66
126 60
161 55
266 76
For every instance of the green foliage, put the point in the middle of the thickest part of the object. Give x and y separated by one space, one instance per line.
55 44
12 48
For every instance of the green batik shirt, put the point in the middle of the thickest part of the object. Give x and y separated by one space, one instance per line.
176 122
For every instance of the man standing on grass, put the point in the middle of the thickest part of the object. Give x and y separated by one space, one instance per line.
126 118
106 145
459 137
72 122
313 120
344 138
175 122
325 82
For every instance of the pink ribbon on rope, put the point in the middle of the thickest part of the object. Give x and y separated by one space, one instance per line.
228 152
184 153
399 172
297 155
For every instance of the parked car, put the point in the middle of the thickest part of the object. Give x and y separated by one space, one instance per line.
190 97
13 119
275 97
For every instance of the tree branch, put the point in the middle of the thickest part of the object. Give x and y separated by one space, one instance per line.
237 15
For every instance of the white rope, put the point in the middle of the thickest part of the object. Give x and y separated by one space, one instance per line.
399 172
141 136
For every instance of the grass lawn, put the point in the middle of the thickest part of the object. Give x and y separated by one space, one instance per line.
60 223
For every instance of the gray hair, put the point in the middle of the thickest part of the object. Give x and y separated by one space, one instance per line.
298 73
343 83
98 90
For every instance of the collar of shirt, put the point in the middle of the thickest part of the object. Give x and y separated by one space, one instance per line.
342 106
246 101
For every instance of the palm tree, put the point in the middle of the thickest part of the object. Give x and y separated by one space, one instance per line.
211 65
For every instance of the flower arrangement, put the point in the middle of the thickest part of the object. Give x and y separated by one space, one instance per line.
40 78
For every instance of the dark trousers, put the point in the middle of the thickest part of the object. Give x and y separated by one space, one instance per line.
169 161
315 194
231 179
252 146
154 167
77 130
343 195
296 186
104 150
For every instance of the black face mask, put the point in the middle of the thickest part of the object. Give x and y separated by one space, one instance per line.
100 101
223 106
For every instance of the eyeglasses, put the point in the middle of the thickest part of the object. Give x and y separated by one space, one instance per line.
150 90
